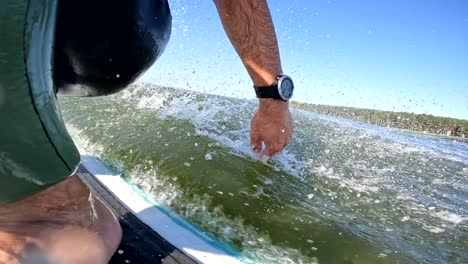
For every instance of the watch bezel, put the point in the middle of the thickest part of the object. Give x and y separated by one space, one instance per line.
280 90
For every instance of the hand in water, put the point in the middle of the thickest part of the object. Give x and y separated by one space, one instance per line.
272 124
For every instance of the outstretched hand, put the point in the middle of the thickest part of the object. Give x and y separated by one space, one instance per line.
273 125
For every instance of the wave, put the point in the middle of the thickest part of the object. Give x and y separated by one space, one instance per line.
342 192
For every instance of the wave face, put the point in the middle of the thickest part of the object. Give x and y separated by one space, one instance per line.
342 192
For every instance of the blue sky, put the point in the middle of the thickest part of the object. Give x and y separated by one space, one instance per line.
390 55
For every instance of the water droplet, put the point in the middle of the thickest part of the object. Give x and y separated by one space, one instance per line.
208 156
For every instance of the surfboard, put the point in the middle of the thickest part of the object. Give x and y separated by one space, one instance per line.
151 233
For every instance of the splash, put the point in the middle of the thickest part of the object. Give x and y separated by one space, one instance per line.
379 195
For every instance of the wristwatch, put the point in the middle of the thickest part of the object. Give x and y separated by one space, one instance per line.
281 89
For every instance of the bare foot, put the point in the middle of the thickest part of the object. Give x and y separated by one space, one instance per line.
63 224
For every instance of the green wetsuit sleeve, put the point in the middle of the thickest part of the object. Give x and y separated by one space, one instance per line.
36 151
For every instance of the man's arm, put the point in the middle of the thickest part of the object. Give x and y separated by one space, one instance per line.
249 26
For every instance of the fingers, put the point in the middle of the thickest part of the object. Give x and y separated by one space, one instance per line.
272 149
271 131
274 142
255 142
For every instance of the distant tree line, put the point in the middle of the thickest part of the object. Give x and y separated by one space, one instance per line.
402 120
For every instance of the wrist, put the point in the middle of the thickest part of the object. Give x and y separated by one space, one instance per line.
272 105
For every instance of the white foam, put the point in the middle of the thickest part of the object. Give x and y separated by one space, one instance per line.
172 228
208 116
433 229
448 216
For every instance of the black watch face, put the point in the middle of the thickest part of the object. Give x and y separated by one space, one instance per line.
287 88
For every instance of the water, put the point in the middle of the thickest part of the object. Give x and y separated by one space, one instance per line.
342 192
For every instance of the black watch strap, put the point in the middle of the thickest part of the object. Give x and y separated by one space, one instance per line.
268 91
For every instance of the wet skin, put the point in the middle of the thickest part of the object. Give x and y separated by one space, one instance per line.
63 224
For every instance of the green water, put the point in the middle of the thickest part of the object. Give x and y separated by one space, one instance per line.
343 192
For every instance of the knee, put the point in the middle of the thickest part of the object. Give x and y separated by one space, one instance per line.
77 245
